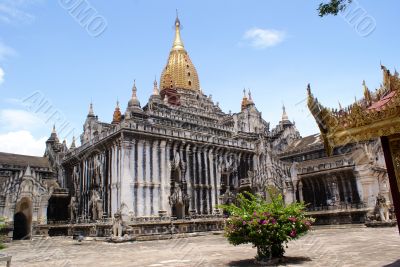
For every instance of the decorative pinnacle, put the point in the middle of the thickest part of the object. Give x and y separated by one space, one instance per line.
73 142
178 44
309 89
134 89
54 129
284 114
91 113
155 87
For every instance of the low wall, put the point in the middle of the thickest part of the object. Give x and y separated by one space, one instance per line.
138 229
349 216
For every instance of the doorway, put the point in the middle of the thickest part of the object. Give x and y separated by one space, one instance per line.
23 220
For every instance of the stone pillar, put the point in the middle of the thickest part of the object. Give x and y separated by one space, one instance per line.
114 180
212 179
140 179
163 178
207 209
155 179
201 211
146 185
367 186
195 199
301 191
167 180
127 178
188 176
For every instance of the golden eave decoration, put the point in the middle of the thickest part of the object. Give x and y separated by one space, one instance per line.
375 115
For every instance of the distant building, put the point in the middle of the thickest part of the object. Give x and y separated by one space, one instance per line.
342 188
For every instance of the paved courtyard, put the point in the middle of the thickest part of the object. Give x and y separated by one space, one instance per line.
322 247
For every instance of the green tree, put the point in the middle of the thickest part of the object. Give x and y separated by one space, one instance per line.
2 225
266 225
333 7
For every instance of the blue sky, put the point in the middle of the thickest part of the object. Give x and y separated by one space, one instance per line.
272 47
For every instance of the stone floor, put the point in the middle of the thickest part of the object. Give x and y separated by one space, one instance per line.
322 247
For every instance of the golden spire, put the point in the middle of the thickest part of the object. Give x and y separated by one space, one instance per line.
178 44
179 72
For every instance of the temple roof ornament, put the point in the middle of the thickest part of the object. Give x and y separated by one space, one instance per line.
117 114
91 112
250 98
53 136
284 114
376 114
179 71
73 145
247 100
134 101
155 88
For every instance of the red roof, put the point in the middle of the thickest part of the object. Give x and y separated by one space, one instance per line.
379 105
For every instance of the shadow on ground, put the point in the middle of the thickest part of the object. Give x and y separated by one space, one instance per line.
394 264
285 261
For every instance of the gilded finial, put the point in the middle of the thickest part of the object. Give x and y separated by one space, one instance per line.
178 44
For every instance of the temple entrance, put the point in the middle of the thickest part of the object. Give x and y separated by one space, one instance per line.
58 209
179 210
23 220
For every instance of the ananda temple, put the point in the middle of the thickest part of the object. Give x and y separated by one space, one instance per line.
177 158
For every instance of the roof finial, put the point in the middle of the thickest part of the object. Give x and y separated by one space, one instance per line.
309 89
91 112
244 93
155 87
178 44
54 129
134 101
250 95
117 114
284 114
73 143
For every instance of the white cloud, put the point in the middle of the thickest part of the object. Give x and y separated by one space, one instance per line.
263 38
16 119
15 10
1 75
22 142
6 51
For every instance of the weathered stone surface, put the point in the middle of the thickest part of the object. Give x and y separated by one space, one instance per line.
322 247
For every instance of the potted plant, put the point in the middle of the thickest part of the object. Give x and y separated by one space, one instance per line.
268 225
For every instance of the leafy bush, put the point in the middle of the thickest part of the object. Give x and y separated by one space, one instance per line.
2 225
266 225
